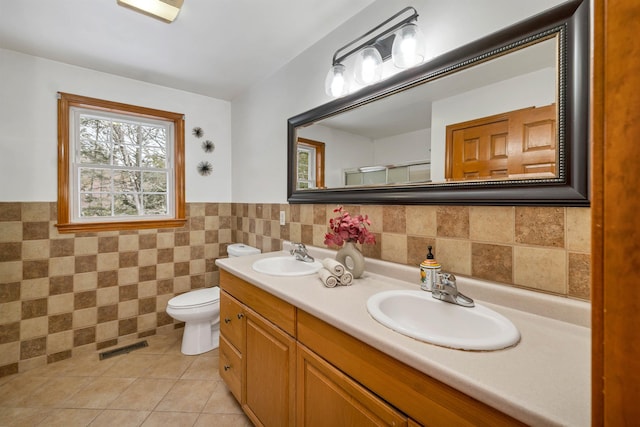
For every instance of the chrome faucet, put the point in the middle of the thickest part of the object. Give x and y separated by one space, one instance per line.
300 252
445 289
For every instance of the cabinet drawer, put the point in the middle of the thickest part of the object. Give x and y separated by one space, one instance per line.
279 312
232 320
231 368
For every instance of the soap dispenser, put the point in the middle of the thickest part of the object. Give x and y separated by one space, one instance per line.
429 269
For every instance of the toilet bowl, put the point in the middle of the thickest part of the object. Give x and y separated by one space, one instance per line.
200 310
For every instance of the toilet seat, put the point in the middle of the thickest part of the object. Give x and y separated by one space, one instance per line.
195 299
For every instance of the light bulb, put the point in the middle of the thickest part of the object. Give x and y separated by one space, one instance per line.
408 47
336 83
368 67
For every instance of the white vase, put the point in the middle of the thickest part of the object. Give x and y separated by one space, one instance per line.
351 257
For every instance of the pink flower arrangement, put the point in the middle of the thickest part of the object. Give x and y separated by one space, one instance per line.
347 228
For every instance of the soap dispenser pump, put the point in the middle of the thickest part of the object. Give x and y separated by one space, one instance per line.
429 269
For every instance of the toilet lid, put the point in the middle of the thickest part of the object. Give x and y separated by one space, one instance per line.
196 298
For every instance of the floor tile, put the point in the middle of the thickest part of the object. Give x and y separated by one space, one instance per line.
18 417
171 366
19 388
222 401
187 396
70 417
120 418
173 419
132 365
143 394
99 393
223 420
203 368
53 392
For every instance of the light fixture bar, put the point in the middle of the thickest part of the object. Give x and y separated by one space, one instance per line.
372 41
165 10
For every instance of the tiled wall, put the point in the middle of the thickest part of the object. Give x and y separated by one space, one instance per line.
541 248
62 294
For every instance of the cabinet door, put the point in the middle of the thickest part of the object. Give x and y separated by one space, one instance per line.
232 320
269 379
327 397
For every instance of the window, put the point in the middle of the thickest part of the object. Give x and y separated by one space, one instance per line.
310 164
119 166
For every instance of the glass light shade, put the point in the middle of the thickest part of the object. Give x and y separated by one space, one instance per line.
368 67
408 47
336 84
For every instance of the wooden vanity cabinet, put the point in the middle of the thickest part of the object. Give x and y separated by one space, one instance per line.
298 370
257 351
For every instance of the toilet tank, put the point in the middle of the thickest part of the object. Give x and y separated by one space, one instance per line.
240 249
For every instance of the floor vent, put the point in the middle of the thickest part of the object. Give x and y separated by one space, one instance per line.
123 350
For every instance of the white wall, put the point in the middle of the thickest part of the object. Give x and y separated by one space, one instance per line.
403 148
28 125
259 117
342 150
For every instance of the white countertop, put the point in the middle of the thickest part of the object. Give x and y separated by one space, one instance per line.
542 381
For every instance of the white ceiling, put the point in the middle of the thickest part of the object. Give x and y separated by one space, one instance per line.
217 48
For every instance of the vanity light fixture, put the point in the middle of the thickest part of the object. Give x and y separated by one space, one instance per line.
165 10
403 42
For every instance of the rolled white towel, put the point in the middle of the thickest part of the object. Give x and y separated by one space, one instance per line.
333 266
328 279
346 279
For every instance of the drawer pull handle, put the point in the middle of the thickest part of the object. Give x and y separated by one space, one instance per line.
240 315
227 320
227 367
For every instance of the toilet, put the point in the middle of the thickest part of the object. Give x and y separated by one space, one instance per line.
200 310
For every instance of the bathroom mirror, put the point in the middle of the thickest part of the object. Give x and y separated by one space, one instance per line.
500 121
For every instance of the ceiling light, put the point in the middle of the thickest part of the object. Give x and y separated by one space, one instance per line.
165 10
403 41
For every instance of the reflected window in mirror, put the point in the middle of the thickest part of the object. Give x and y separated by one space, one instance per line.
310 164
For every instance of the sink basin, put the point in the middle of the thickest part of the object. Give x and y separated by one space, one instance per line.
418 315
286 266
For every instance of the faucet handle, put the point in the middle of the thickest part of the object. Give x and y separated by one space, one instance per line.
297 247
447 279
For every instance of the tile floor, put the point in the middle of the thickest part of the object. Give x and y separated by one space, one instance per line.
152 386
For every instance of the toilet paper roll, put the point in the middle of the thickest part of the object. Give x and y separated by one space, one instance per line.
328 279
346 279
333 266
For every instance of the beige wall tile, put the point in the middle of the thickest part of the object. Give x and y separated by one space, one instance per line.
35 249
11 231
196 237
107 296
127 309
9 353
306 214
108 261
34 288
492 223
85 281
224 209
211 222
164 271
454 255
540 268
106 331
197 266
182 253
147 257
162 301
492 262
127 276
147 321
11 271
147 289
86 245
128 242
36 211
394 247
59 342
579 276
318 235
60 304
63 266
36 327
579 229
421 221
10 312
224 236
85 317
165 240
394 219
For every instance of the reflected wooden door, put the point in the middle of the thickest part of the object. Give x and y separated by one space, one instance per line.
510 145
